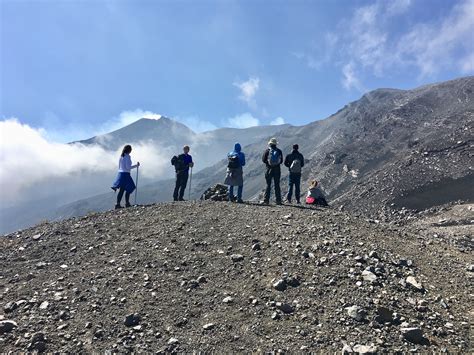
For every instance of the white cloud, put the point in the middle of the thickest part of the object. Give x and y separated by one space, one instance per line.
371 48
431 47
244 120
277 121
350 79
248 90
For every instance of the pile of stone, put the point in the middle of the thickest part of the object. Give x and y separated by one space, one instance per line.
217 192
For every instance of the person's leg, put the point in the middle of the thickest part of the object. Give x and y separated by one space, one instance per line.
290 188
276 178
127 199
119 196
268 179
240 189
297 182
231 193
184 182
176 187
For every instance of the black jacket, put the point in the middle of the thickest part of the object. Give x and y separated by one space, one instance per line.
293 156
265 159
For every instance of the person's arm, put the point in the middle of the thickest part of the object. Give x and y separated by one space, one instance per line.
281 157
287 161
265 157
302 160
190 164
242 159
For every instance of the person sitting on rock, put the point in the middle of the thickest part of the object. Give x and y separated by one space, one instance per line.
124 181
315 195
235 174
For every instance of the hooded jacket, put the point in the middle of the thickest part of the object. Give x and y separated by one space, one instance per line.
293 156
238 150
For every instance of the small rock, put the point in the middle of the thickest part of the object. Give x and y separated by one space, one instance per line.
411 281
228 299
36 237
6 326
44 305
132 320
369 276
357 313
201 279
237 257
209 326
285 307
413 335
173 341
384 315
280 285
275 316
256 247
365 349
10 307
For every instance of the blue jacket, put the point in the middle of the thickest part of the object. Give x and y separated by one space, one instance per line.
238 150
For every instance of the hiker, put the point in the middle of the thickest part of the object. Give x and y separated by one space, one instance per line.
124 181
181 164
315 195
294 162
272 158
235 174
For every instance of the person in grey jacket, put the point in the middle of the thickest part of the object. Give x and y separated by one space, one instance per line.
235 173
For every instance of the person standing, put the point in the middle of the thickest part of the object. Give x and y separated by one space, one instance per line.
181 163
235 173
272 158
124 181
294 162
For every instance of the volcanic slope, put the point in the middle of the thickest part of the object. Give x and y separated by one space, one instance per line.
226 277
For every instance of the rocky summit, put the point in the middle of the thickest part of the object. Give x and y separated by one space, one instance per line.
221 277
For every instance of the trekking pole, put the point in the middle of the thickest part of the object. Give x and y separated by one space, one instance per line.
190 184
136 187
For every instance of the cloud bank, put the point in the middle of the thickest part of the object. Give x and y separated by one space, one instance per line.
29 160
248 90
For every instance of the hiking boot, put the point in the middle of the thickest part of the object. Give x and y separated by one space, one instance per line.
240 200
279 203
298 202
182 199
117 207
264 202
127 205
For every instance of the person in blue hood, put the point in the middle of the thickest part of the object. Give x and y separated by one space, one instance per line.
235 173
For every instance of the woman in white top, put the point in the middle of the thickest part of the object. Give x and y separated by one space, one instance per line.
124 181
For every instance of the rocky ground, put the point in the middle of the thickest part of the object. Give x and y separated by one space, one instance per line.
215 276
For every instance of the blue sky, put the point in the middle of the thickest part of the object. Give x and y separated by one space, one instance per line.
79 67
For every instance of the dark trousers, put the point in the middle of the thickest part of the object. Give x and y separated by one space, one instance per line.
273 175
294 179
120 195
181 182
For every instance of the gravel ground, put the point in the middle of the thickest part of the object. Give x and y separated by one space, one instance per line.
215 276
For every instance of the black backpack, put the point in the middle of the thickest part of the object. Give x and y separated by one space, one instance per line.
178 162
233 161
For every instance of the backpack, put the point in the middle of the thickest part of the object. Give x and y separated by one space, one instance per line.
233 161
178 162
295 166
274 157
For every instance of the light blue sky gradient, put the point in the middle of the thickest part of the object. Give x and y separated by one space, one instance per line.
80 63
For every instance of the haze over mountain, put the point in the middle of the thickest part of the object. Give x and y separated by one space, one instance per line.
391 148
